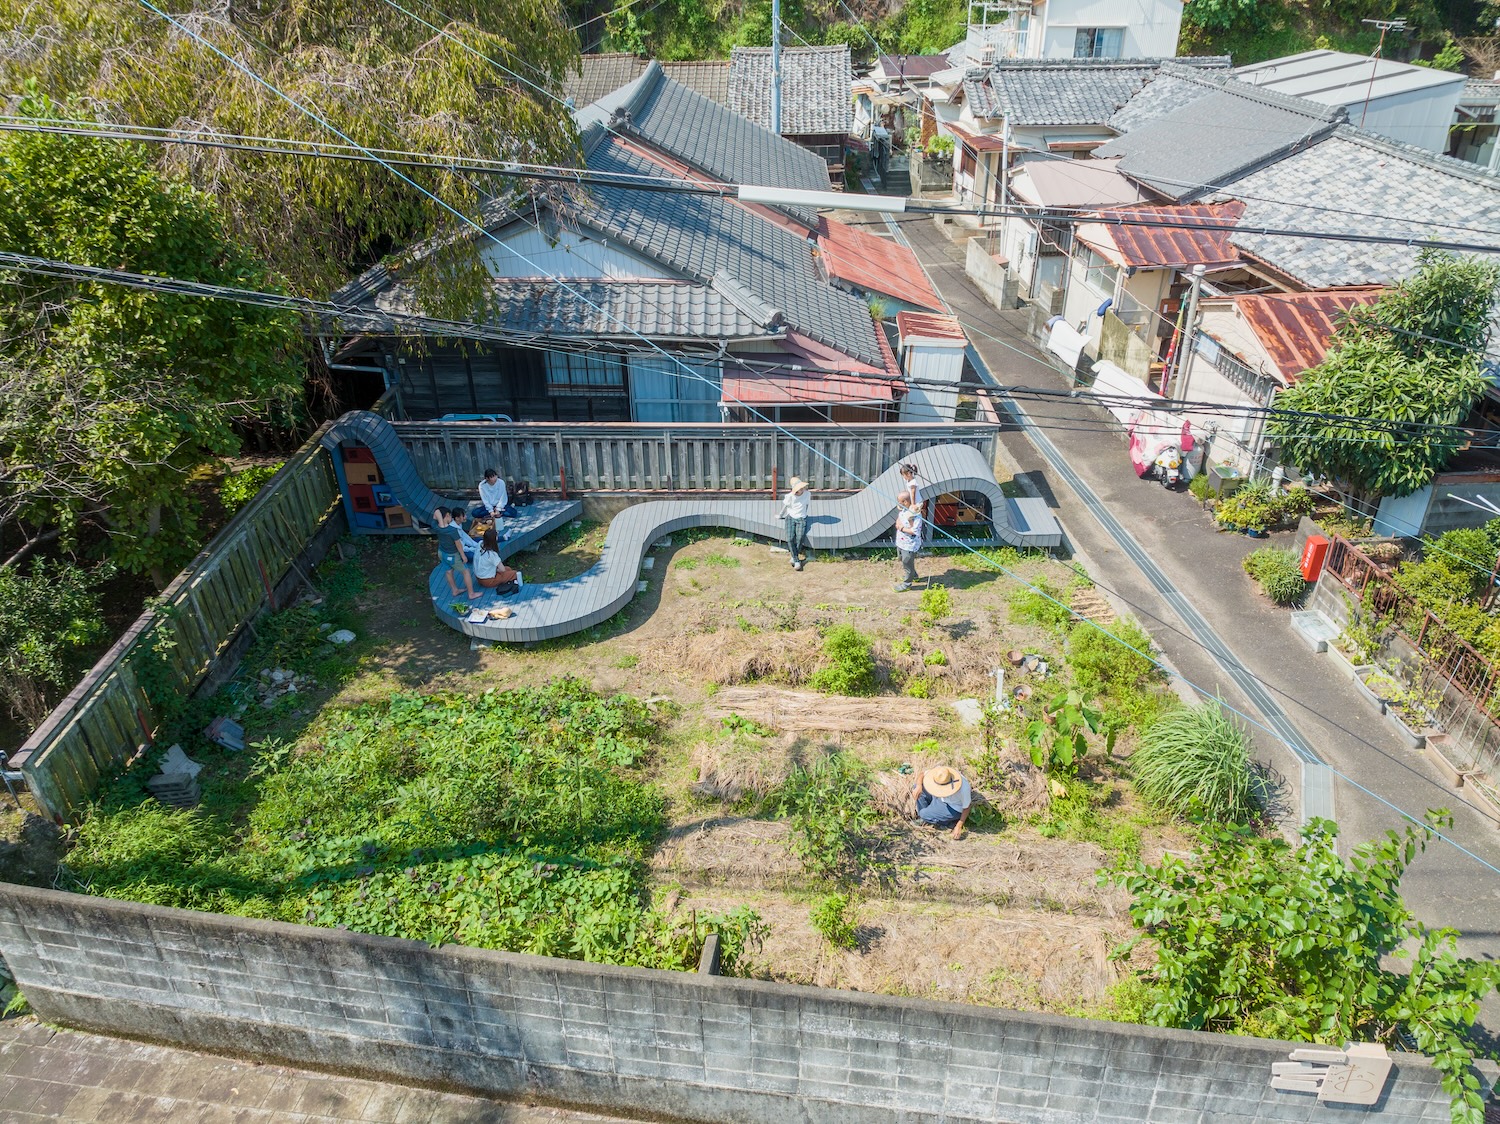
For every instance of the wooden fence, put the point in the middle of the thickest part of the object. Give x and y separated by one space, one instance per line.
109 715
639 457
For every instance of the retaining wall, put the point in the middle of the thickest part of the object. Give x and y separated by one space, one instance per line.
658 1044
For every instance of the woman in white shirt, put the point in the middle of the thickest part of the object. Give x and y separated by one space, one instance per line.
493 498
794 506
489 571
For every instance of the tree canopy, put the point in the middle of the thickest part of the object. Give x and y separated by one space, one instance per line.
1413 356
110 397
377 73
1254 935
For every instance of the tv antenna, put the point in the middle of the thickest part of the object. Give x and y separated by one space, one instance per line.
1384 25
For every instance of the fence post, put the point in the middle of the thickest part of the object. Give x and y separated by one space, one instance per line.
775 486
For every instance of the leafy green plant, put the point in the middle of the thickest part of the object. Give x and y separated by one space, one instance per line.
919 687
239 488
835 918
901 646
852 671
1078 812
1364 636
16 1006
718 560
1060 738
940 147
1279 572
49 615
936 602
1043 604
627 661
739 723
1195 762
1255 935
1201 487
830 813
935 658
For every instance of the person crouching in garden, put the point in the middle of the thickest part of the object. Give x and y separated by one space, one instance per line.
944 798
794 514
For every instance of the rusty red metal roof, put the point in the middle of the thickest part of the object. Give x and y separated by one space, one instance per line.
1178 247
1295 328
929 325
880 265
804 388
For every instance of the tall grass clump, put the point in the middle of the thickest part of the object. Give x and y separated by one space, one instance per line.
1279 573
1195 762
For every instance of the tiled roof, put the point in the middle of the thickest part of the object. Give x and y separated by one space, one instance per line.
815 95
1164 94
1158 247
703 235
1295 328
879 265
656 309
603 74
1062 91
1212 140
709 137
709 77
1362 184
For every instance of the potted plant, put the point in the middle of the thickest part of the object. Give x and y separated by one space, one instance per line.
1412 710
1378 687
1359 645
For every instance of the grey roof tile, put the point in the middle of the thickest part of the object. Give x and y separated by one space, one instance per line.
1212 140
709 137
600 74
1164 94
709 77
656 309
1063 91
1386 182
703 235
815 88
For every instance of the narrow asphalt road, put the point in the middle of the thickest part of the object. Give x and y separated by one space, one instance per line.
1189 581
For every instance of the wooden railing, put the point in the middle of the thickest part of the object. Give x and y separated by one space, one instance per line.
110 714
640 457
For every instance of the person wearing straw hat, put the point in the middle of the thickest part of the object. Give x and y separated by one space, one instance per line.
943 799
794 507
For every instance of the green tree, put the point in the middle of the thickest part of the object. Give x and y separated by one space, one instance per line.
109 396
1254 935
1411 356
48 616
376 73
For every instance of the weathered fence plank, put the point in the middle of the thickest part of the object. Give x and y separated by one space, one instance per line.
108 716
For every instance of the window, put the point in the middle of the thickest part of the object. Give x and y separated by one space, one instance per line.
1099 274
966 160
1098 42
571 373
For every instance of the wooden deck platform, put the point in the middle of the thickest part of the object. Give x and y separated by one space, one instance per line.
542 611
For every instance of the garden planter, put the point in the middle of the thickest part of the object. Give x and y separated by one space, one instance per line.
1437 745
1365 689
1414 737
1486 802
1315 629
1355 671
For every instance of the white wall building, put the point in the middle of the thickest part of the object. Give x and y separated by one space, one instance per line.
1073 29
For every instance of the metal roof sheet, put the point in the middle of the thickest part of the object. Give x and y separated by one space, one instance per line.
931 326
1295 328
1074 184
1340 78
880 265
815 94
793 388
1178 247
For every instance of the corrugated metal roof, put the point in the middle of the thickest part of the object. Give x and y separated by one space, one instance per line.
927 325
1295 328
879 265
815 94
1339 78
1174 247
913 66
804 388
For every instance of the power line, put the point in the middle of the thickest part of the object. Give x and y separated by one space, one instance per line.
331 128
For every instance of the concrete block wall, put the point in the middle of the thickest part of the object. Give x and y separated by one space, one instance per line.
658 1044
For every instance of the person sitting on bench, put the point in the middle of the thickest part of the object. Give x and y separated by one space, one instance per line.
494 500
489 571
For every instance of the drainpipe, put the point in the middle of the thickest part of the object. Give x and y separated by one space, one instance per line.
1185 348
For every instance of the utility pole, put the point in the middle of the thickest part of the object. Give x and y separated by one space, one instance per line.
776 67
1185 349
1384 25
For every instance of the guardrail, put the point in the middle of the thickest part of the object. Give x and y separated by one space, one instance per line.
638 457
111 714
